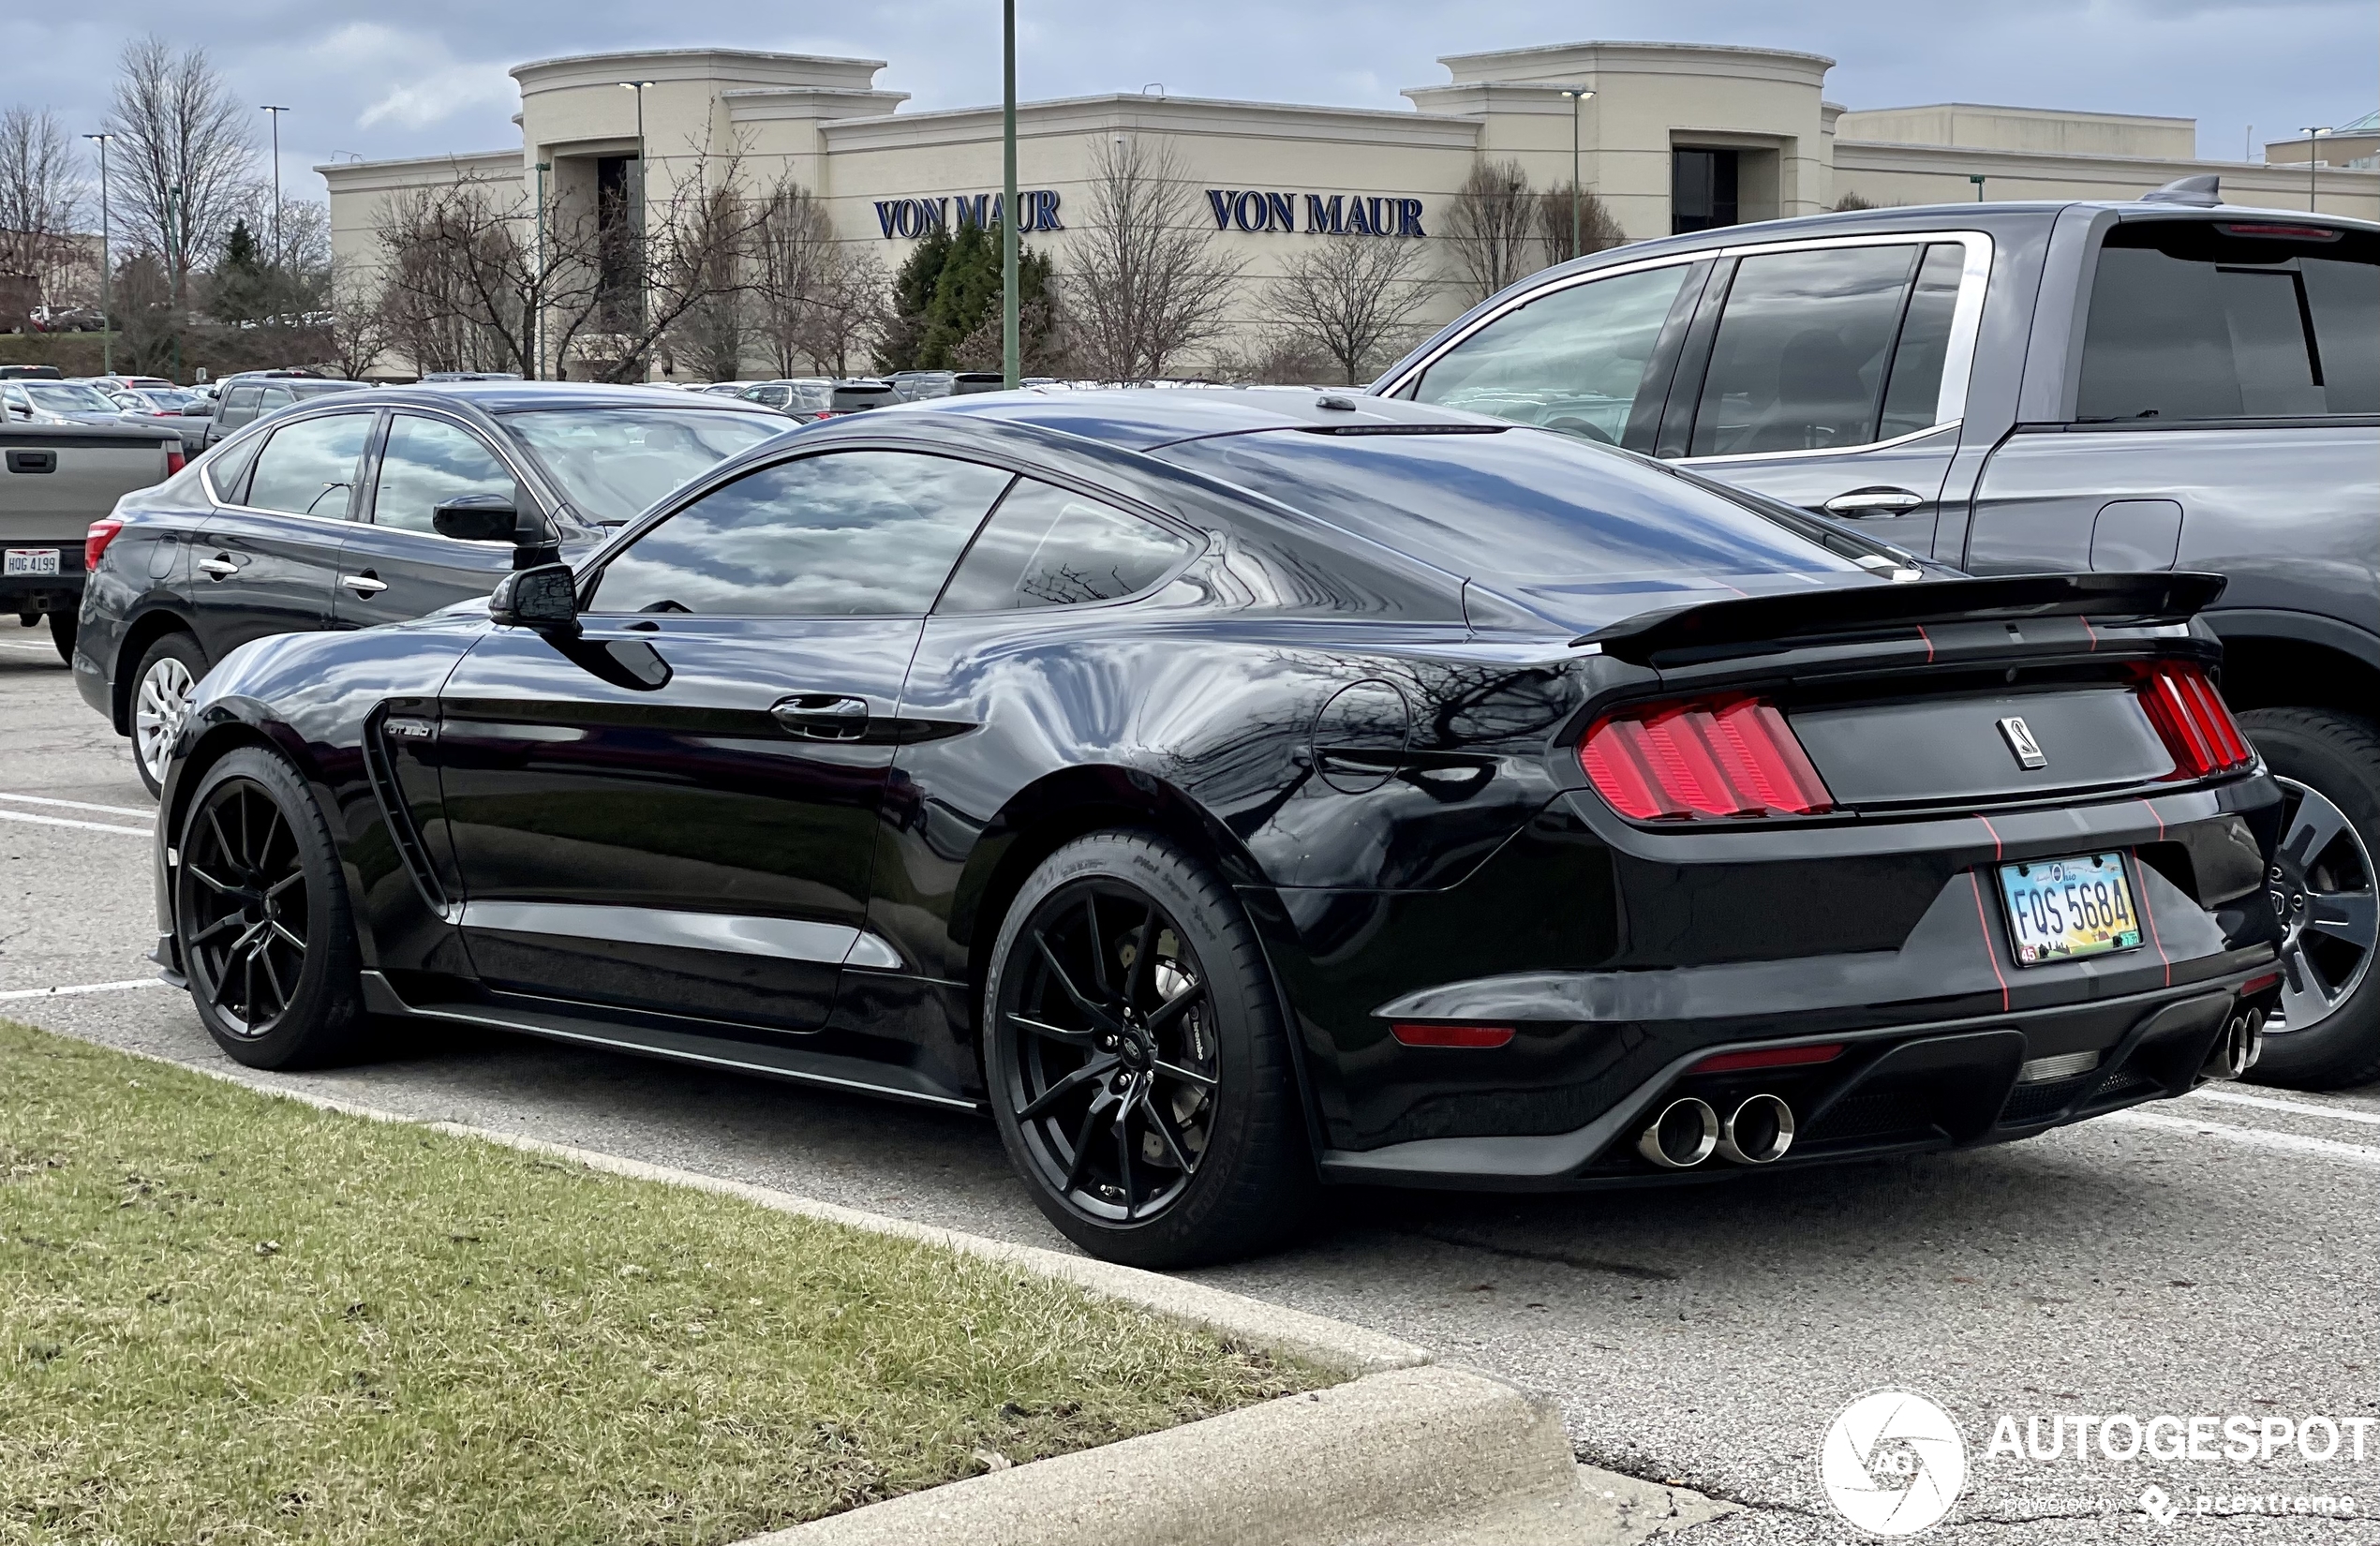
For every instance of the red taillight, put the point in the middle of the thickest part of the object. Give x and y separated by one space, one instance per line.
1412 1033
95 540
1691 761
2192 721
1774 1057
175 461
2257 984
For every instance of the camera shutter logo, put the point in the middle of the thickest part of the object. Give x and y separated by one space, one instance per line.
1893 1464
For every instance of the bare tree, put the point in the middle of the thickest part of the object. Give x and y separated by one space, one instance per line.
358 324
848 313
1490 229
793 254
1350 297
1597 228
461 286
186 152
1146 284
40 199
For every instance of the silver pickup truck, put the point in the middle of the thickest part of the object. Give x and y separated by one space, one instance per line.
56 481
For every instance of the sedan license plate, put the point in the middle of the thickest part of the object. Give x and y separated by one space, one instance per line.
32 561
2061 909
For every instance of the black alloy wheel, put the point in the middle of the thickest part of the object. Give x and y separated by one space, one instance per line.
261 915
1135 1060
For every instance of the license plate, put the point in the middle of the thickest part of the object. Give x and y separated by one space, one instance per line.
2061 909
33 560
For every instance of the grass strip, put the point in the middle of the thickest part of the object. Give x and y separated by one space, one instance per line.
229 1317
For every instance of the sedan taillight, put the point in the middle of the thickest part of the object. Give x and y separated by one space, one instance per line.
2192 721
1711 757
175 460
95 540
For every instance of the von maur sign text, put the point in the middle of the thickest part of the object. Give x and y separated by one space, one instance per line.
917 216
1338 215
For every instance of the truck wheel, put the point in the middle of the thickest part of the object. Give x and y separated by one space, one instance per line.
161 689
2328 1034
62 634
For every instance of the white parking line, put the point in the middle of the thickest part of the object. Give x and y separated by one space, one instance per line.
61 821
2251 1138
2298 1107
85 988
81 805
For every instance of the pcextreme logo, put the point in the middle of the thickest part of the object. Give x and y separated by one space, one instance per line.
1893 1464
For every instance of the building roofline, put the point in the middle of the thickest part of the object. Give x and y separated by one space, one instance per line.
1450 60
329 169
1151 104
2007 107
757 55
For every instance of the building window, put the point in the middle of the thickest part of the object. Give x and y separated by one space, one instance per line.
1702 189
620 220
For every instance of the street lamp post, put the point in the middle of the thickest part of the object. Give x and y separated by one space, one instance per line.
277 179
1977 178
537 288
638 87
1011 335
177 266
2312 133
1578 95
107 321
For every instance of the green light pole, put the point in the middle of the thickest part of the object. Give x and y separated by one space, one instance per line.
1977 179
2312 133
177 268
1578 95
107 320
1011 339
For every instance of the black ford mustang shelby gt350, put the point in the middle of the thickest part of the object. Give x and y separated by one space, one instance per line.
1238 791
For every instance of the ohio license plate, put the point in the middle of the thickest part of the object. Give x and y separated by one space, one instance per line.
32 561
2061 909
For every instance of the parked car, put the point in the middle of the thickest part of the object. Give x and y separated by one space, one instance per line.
184 412
329 516
68 320
430 376
38 402
31 373
728 389
247 398
2168 385
1230 792
56 481
917 386
802 397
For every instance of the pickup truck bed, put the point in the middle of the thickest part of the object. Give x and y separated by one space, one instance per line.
55 480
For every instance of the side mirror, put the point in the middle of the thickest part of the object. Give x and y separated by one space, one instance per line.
478 518
545 597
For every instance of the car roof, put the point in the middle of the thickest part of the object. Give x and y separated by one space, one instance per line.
1139 419
515 397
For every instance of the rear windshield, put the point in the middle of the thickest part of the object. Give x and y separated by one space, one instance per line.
2224 319
613 463
1520 503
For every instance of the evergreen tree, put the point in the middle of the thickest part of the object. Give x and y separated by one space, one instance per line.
242 282
912 293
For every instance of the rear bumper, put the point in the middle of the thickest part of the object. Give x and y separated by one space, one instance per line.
1949 1084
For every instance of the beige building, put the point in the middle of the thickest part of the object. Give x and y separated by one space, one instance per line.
1670 137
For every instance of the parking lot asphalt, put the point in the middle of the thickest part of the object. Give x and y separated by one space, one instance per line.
2212 1258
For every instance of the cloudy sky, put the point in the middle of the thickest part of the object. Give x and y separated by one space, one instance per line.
428 77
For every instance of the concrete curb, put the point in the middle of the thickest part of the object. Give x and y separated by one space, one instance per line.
1405 1453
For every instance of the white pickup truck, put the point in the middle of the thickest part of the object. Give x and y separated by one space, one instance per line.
55 480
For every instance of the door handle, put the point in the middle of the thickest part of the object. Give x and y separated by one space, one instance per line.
365 584
821 716
1869 501
220 567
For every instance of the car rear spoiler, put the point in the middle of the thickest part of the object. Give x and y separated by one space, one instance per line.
1812 615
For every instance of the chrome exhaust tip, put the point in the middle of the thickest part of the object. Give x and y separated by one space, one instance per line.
1757 1132
2252 1024
1682 1137
2237 1049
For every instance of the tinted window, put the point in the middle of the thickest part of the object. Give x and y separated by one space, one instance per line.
859 533
1517 502
1046 546
239 405
1799 361
308 468
277 396
614 464
227 469
2188 322
1913 394
428 462
1573 361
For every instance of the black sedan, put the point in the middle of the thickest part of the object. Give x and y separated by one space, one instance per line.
326 515
1238 792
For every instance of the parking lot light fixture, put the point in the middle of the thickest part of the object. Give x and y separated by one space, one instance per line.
2312 133
1011 338
638 87
107 345
1977 178
277 113
1577 95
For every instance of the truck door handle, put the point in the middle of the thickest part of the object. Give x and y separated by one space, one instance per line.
365 584
1869 501
821 716
220 567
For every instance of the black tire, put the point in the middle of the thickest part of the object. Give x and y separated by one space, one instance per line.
2322 757
276 980
1179 1141
156 676
62 634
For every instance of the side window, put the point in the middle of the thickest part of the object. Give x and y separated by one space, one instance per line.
428 462
1914 392
854 533
2193 320
1573 361
1046 546
1802 353
227 470
239 405
308 468
276 396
